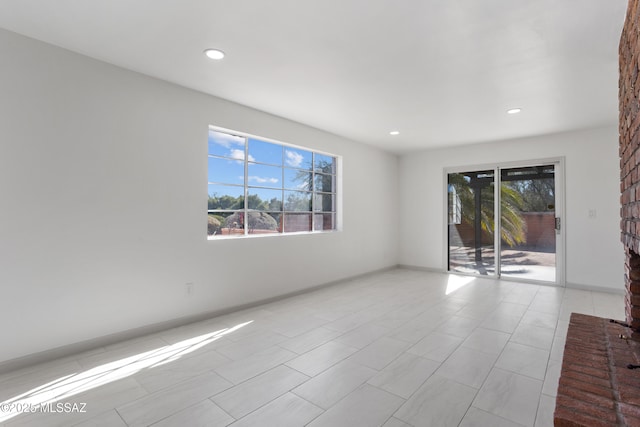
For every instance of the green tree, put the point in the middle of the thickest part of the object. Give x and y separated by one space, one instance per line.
538 194
274 204
299 202
255 202
225 202
513 225
305 180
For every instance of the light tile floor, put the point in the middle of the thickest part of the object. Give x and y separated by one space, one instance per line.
398 348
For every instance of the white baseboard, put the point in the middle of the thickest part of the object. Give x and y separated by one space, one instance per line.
596 288
418 268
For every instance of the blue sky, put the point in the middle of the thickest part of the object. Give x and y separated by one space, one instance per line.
270 174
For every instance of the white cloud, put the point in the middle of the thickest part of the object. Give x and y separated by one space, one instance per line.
293 159
224 139
239 155
261 180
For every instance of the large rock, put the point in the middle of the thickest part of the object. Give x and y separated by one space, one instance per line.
258 220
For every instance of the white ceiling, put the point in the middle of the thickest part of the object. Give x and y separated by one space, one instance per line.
441 72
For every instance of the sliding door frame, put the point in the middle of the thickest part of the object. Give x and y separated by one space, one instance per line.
559 177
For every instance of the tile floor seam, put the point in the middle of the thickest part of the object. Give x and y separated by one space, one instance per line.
370 385
120 415
184 380
390 392
495 415
546 370
265 404
300 372
271 401
171 415
249 379
210 399
314 404
492 367
525 375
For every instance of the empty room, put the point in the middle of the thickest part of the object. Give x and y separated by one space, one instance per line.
322 213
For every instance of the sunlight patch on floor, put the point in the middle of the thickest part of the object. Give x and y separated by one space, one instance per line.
77 383
456 282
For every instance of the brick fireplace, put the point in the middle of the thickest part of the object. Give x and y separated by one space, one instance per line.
600 379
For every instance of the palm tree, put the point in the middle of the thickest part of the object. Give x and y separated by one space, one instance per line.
471 201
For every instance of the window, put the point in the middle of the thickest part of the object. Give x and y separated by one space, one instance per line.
264 187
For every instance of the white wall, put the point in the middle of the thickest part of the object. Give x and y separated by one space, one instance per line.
594 252
103 192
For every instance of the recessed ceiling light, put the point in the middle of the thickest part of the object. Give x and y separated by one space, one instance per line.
214 53
514 111
394 132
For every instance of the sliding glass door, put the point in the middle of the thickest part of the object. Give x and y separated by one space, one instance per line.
528 223
471 221
527 243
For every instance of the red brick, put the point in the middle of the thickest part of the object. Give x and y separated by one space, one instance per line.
619 346
630 421
586 378
587 356
564 417
576 354
629 394
587 331
630 410
626 379
565 383
586 408
580 342
592 372
593 399
634 260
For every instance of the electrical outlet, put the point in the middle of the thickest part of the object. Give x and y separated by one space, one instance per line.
592 213
189 288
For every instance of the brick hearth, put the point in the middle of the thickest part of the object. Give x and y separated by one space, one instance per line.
596 386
